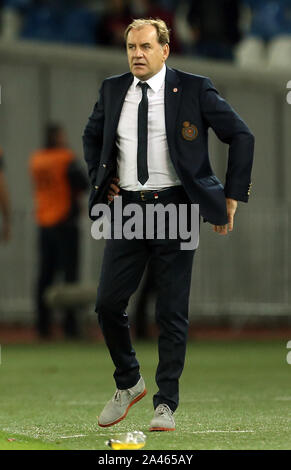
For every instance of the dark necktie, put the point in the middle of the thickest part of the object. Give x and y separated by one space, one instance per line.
142 146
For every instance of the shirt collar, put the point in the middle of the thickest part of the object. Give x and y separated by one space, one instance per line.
155 82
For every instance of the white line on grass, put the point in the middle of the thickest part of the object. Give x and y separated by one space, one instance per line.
32 434
79 403
202 399
215 431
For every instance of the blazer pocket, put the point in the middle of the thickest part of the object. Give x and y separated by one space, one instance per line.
210 181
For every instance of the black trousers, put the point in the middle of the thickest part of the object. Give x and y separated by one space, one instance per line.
58 254
123 265
146 290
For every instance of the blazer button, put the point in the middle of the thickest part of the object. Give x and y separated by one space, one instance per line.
104 165
96 187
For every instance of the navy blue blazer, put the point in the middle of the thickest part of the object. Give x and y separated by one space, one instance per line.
192 105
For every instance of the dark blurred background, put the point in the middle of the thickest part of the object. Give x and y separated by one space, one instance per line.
209 28
53 57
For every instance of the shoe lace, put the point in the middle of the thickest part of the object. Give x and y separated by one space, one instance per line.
121 393
117 395
163 409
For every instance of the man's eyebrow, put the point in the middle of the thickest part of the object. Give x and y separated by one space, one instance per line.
143 44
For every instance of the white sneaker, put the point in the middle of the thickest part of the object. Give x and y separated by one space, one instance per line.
117 408
163 419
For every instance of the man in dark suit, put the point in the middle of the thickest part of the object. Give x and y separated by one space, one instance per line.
146 141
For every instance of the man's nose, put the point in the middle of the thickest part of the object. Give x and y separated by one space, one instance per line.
138 52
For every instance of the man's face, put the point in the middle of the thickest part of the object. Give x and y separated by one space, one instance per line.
146 55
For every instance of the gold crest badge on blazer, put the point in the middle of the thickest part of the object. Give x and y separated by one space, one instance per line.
189 131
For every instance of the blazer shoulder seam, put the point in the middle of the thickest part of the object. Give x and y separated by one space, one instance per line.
117 77
190 76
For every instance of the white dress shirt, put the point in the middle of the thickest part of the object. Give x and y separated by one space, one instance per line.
160 168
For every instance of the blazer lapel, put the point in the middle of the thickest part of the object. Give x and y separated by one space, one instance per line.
173 93
118 96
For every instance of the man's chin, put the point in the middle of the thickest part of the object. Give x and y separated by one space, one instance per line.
140 73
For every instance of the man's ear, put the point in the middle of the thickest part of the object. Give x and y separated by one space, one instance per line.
166 51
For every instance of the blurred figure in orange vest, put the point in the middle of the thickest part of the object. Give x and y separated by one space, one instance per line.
58 184
4 205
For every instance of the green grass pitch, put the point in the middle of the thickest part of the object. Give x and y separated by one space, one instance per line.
233 395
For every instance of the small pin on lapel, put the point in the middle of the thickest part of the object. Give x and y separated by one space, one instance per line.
175 90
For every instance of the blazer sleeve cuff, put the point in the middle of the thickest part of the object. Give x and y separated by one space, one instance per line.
237 197
238 193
